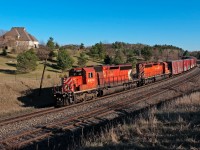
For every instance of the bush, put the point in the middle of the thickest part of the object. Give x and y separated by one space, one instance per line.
64 60
4 53
82 60
53 54
48 76
108 60
26 61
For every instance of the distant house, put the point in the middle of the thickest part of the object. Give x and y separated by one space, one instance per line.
18 38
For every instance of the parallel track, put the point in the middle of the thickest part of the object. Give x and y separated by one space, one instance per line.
53 110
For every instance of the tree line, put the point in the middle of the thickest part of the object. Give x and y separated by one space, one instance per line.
115 53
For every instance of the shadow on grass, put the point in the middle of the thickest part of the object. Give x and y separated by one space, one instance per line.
8 56
11 64
8 71
32 98
53 66
56 71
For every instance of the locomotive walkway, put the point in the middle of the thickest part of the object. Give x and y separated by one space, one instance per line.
127 100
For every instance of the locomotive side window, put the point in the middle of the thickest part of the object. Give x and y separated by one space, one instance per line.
73 72
90 75
148 66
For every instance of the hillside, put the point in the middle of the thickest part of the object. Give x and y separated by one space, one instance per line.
20 91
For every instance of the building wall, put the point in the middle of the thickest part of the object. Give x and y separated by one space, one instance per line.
33 44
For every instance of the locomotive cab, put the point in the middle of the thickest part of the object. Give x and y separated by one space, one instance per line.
89 79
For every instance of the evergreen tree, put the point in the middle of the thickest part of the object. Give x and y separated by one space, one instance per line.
147 52
52 54
108 60
132 60
82 60
186 53
118 45
57 46
119 58
27 61
82 46
64 61
50 43
98 51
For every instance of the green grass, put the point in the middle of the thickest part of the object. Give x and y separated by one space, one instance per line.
8 66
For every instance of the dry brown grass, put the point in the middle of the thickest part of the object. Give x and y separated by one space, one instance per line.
16 89
21 95
175 125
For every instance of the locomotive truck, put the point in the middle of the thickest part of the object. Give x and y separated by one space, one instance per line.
94 81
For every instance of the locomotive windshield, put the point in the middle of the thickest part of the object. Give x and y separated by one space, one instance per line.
74 72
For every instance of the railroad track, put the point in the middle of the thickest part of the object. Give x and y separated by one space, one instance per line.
53 110
88 117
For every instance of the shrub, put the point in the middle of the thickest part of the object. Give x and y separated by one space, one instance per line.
82 60
48 76
4 53
26 61
64 60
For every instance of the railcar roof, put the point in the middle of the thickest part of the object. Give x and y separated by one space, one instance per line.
88 69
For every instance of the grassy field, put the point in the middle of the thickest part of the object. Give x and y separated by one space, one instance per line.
175 125
19 92
8 67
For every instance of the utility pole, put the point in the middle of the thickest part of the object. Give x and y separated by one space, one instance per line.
45 64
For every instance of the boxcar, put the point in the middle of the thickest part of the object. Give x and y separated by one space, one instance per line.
193 63
186 64
175 66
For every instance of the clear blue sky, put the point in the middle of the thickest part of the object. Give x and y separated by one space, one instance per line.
174 22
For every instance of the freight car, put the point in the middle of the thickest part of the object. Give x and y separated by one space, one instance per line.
89 82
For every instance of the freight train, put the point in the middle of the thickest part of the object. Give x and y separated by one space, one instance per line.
94 81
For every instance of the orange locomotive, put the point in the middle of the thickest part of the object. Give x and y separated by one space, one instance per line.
150 72
89 82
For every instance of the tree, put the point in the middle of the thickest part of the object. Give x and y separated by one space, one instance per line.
82 60
57 46
43 53
186 53
26 61
132 60
52 54
119 58
98 51
82 46
64 61
108 60
147 52
50 43
118 45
